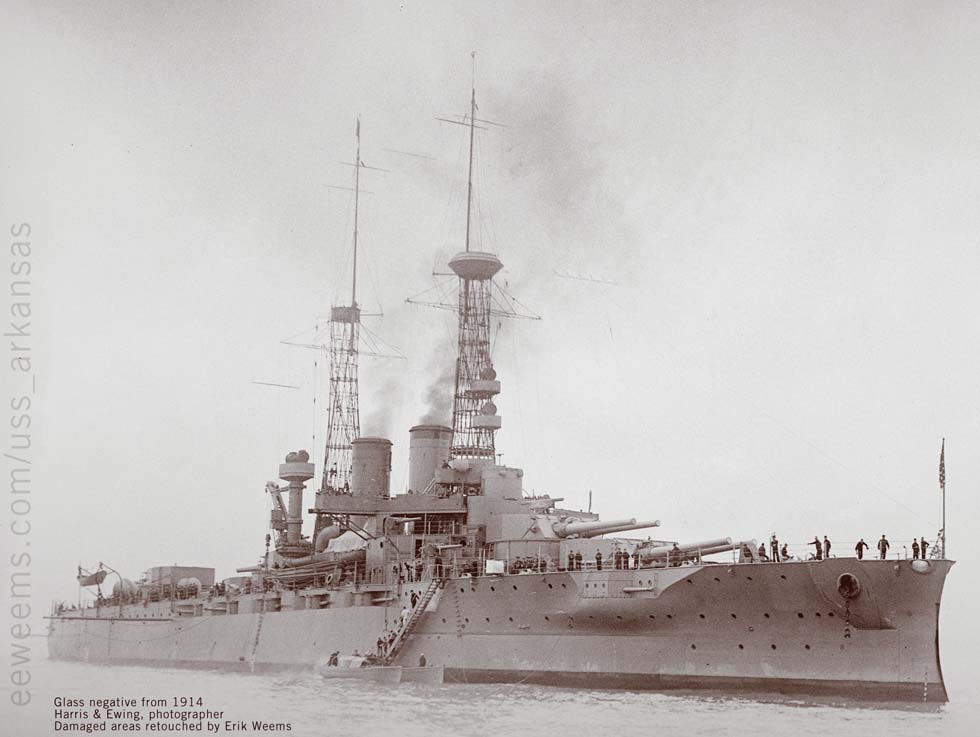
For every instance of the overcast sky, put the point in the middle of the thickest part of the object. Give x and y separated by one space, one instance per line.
776 204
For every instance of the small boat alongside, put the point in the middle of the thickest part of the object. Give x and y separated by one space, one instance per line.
370 668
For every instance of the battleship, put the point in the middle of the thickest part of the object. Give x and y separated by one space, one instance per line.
467 573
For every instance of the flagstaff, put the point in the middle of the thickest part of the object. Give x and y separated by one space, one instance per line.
942 487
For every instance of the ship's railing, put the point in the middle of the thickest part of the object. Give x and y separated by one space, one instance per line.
898 549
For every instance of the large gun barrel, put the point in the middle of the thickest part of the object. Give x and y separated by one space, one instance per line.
566 529
598 527
624 528
721 543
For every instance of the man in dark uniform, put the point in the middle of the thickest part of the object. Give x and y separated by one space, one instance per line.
578 561
924 547
818 546
598 560
915 549
774 547
826 547
860 548
571 561
883 546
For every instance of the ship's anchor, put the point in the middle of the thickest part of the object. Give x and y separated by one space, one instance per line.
849 588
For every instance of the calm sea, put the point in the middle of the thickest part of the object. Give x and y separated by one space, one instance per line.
315 707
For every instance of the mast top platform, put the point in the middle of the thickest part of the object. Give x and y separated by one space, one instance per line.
345 313
475 265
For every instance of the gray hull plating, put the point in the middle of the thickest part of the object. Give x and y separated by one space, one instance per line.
772 627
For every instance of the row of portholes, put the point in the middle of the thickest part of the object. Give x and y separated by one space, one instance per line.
742 647
747 578
669 616
462 590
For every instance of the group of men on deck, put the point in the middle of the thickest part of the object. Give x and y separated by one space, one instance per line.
822 549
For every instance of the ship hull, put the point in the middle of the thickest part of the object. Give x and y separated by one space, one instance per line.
777 628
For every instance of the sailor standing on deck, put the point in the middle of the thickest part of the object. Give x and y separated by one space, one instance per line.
826 547
405 615
925 548
774 547
860 548
598 560
818 546
915 549
883 546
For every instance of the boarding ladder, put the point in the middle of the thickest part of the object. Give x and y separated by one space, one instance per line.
413 619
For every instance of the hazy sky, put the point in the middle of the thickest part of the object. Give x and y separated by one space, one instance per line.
783 196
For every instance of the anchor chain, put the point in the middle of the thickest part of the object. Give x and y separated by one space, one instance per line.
847 619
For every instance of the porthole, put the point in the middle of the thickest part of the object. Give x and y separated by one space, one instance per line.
510 619
782 576
800 615
462 590
550 586
717 580
817 614
741 647
694 647
690 581
773 646
829 614
701 616
488 619
651 616
766 615
670 616
806 647
443 620
618 617
515 587
547 619
466 619
749 578
492 588
734 616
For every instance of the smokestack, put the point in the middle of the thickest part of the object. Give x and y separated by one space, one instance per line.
428 448
371 475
